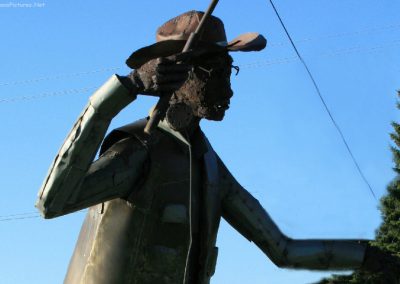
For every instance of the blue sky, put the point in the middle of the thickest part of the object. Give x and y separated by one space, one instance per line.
276 139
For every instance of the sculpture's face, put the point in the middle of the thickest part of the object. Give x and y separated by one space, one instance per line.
208 89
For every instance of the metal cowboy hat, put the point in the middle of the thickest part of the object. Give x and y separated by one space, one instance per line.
171 38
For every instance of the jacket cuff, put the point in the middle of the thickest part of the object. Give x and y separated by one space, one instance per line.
111 98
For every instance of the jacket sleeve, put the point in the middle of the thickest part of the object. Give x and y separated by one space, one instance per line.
73 182
241 210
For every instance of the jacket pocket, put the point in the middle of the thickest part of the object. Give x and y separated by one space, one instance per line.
175 213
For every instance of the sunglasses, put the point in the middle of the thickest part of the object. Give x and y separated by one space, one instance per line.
214 71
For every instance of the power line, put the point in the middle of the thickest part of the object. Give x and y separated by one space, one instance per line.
250 65
344 34
26 215
255 64
31 215
45 95
19 218
332 53
19 214
59 76
323 102
79 74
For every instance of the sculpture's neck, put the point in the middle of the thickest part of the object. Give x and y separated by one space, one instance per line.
191 128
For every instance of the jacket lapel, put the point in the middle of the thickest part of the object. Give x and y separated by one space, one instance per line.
210 213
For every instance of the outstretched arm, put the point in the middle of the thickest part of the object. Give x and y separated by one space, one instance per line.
246 215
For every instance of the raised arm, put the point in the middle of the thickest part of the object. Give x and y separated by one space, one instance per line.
247 216
71 164
72 182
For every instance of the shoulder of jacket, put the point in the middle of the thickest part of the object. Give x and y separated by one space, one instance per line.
134 129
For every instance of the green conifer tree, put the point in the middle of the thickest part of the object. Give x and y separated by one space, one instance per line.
388 234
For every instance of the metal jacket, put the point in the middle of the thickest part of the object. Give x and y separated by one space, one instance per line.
155 215
139 228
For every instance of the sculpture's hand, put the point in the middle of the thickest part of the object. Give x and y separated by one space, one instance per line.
382 264
156 77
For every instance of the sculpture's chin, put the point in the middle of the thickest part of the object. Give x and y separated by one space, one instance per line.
216 116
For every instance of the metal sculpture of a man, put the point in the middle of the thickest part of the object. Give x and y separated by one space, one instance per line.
156 201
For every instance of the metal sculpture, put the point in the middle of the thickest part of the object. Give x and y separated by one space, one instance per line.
156 200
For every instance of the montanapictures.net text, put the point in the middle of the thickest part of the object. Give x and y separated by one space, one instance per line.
22 5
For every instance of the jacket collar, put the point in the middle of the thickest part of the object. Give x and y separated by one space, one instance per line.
198 144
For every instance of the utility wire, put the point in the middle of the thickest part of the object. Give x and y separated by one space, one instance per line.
323 102
255 64
332 53
45 95
374 30
335 52
22 216
249 65
59 76
19 214
19 218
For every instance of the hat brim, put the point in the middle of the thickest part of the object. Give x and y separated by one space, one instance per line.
245 42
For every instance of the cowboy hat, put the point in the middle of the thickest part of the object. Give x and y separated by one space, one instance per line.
172 36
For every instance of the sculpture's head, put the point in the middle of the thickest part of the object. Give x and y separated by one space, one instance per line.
207 91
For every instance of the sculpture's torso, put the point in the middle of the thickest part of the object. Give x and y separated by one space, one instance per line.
146 239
